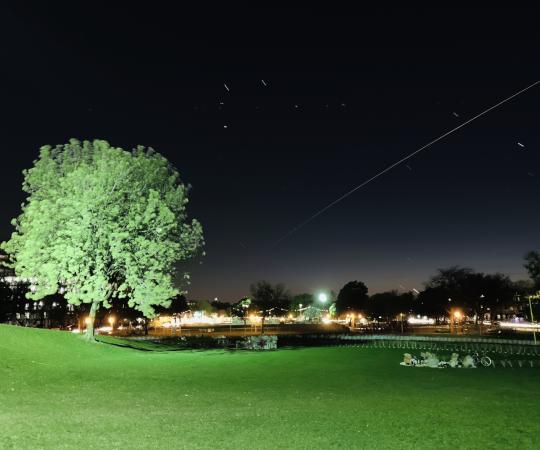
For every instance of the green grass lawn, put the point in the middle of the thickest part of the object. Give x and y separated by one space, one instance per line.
57 391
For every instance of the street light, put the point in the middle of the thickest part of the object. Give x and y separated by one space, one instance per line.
455 319
482 296
532 315
323 298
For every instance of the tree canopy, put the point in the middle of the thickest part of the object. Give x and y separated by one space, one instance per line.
532 265
464 288
270 299
390 304
101 223
352 297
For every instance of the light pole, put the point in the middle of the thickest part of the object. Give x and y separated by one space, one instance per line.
482 314
532 316
457 319
323 298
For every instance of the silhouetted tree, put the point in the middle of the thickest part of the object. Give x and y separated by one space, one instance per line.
389 304
468 290
352 297
178 305
241 308
269 299
497 292
432 301
221 307
7 305
532 265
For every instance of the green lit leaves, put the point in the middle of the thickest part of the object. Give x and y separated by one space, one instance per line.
101 222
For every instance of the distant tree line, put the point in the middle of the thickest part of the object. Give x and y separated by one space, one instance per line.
455 288
474 293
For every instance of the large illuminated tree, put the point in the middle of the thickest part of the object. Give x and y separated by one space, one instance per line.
101 223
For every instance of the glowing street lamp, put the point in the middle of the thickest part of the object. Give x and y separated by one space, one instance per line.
455 318
111 322
323 298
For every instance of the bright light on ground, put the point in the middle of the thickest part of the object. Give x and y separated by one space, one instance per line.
521 325
420 320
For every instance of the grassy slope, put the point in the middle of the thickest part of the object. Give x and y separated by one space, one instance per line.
59 392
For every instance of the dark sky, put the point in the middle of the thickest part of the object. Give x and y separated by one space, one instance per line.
370 87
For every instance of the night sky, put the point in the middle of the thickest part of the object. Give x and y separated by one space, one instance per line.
271 114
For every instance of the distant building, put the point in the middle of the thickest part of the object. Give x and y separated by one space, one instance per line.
16 309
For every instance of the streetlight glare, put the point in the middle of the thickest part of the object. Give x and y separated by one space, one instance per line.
323 297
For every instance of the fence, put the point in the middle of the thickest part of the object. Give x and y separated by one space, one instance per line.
440 343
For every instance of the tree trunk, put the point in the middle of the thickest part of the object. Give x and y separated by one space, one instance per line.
91 319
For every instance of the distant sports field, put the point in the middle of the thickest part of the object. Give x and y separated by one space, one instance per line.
57 391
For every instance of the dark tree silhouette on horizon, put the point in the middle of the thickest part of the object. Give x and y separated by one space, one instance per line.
352 297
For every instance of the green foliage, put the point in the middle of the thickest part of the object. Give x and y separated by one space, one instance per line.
312 312
301 299
204 305
100 222
241 308
332 310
